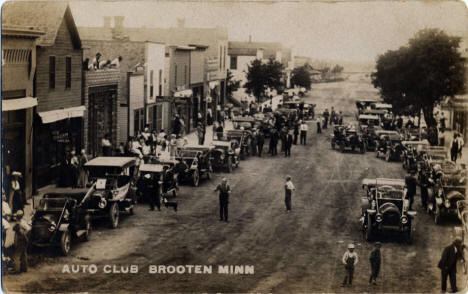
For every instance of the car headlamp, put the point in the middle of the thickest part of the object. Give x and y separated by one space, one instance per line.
378 218
102 203
438 201
447 203
51 228
404 219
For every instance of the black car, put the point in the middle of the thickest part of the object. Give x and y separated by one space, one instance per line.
61 216
194 162
385 208
347 137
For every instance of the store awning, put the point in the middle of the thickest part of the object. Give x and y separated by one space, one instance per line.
60 114
183 94
18 103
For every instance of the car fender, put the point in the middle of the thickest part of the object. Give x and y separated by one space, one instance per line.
455 195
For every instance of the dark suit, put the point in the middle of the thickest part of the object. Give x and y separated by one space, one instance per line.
224 191
448 266
374 259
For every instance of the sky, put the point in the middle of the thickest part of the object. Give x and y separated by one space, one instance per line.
351 31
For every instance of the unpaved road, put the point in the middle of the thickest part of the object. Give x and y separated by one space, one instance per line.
292 253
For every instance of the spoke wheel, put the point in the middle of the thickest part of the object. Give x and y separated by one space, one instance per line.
65 242
114 215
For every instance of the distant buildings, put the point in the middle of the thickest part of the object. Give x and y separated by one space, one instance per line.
241 54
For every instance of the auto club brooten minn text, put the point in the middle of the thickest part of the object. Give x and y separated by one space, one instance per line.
159 269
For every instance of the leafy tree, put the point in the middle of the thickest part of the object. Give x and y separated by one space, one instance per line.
337 69
300 76
419 75
274 72
261 76
231 85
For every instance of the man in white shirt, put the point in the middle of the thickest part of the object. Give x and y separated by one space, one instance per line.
303 128
288 189
350 259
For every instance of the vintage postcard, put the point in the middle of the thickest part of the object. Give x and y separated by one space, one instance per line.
234 147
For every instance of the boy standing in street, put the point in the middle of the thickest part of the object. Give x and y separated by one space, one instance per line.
350 259
375 258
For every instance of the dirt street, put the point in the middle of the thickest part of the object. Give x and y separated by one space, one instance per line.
296 252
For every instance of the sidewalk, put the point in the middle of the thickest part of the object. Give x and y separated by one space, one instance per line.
448 137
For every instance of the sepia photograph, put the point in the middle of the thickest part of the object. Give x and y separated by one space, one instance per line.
234 146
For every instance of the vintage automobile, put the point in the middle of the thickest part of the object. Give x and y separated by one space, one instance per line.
410 153
166 180
384 208
366 119
114 190
447 191
364 104
194 162
61 216
390 146
225 155
246 122
347 137
243 137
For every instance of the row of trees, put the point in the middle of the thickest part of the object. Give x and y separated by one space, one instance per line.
421 74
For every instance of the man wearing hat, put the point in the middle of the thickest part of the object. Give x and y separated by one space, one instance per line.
448 264
375 258
150 188
224 192
350 259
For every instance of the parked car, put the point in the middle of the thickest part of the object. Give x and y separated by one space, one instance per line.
166 179
385 208
114 190
347 137
61 216
410 153
246 122
243 138
194 163
390 146
225 156
448 189
366 120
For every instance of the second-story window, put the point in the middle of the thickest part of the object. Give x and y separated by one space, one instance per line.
52 72
68 65
233 62
151 83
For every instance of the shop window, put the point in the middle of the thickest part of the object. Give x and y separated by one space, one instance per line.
138 117
68 65
52 72
233 62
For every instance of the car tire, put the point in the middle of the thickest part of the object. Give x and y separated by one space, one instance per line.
409 234
87 234
368 233
114 215
65 242
195 178
342 148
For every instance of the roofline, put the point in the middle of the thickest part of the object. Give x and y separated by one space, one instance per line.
68 16
28 32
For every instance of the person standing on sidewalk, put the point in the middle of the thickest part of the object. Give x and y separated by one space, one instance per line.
350 259
448 264
224 192
288 189
303 129
375 260
200 133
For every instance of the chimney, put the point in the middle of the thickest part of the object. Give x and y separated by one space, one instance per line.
107 22
181 22
250 38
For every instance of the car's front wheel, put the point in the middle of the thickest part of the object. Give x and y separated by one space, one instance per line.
65 242
114 215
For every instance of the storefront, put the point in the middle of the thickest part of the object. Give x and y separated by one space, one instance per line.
460 121
56 134
17 141
184 107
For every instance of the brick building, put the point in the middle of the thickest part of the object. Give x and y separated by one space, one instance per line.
57 84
